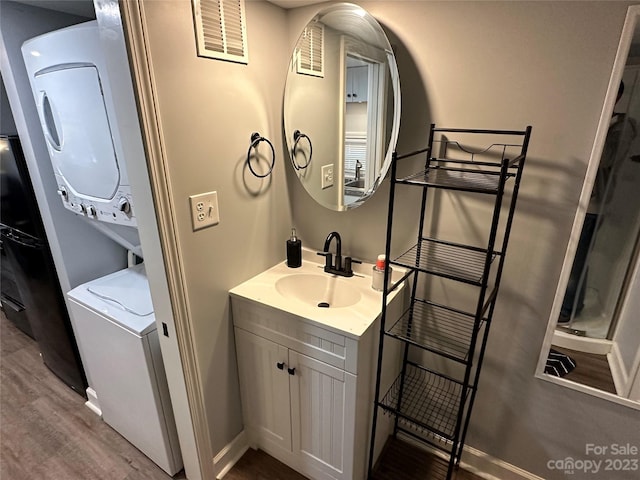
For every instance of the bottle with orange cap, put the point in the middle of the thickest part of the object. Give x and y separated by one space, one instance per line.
377 277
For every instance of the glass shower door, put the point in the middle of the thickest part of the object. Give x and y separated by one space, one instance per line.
615 222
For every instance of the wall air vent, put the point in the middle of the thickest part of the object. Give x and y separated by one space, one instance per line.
310 51
221 31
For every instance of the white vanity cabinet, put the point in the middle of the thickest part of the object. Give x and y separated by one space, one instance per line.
307 392
265 388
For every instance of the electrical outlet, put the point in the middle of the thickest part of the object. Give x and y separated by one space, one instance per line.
327 176
204 210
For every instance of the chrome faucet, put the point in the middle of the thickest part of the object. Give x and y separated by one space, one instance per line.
336 268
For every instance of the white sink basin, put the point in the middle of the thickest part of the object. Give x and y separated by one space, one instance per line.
319 290
347 305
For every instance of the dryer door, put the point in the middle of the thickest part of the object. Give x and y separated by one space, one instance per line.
74 119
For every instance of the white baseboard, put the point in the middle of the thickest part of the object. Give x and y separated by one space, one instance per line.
481 464
92 402
491 468
226 458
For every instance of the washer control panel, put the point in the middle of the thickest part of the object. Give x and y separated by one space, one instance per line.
117 210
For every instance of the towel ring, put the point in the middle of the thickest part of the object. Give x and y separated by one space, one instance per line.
297 135
256 138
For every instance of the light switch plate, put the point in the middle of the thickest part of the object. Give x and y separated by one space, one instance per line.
204 210
327 175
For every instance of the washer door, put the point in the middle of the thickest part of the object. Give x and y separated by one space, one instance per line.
122 296
76 127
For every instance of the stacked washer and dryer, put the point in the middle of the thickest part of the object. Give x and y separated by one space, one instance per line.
113 316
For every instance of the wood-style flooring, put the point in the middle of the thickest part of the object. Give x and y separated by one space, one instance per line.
591 370
257 465
398 461
46 433
402 461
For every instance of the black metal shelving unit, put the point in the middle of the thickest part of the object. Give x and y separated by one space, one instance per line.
427 404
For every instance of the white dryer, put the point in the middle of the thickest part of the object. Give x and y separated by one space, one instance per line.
70 84
114 318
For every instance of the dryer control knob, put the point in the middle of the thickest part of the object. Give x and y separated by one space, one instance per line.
77 207
91 211
82 207
63 193
124 206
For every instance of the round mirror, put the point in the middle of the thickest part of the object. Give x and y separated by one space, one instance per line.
342 106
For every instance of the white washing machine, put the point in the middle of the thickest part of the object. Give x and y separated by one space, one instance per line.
70 84
114 317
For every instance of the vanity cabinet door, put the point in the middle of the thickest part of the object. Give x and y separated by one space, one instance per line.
322 416
264 389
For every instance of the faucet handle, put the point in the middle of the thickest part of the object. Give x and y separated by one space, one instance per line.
328 259
347 265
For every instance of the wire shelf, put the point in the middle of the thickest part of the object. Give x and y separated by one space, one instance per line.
437 328
445 259
429 401
467 179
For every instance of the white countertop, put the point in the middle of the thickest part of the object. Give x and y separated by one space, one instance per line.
353 320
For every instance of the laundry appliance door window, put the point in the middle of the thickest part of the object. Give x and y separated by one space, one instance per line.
74 118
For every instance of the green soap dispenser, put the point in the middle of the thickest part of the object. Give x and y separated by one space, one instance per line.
294 251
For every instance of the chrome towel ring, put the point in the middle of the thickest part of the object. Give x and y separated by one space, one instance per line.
256 138
297 135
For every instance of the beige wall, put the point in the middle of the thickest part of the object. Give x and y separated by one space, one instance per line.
503 65
208 110
475 64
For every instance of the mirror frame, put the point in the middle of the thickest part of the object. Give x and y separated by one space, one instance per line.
396 104
632 20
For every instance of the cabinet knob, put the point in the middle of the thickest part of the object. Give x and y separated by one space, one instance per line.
280 365
292 371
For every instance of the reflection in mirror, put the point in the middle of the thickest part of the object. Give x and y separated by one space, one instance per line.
343 93
306 153
593 340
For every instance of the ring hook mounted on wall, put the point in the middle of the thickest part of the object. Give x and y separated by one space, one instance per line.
297 135
256 138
